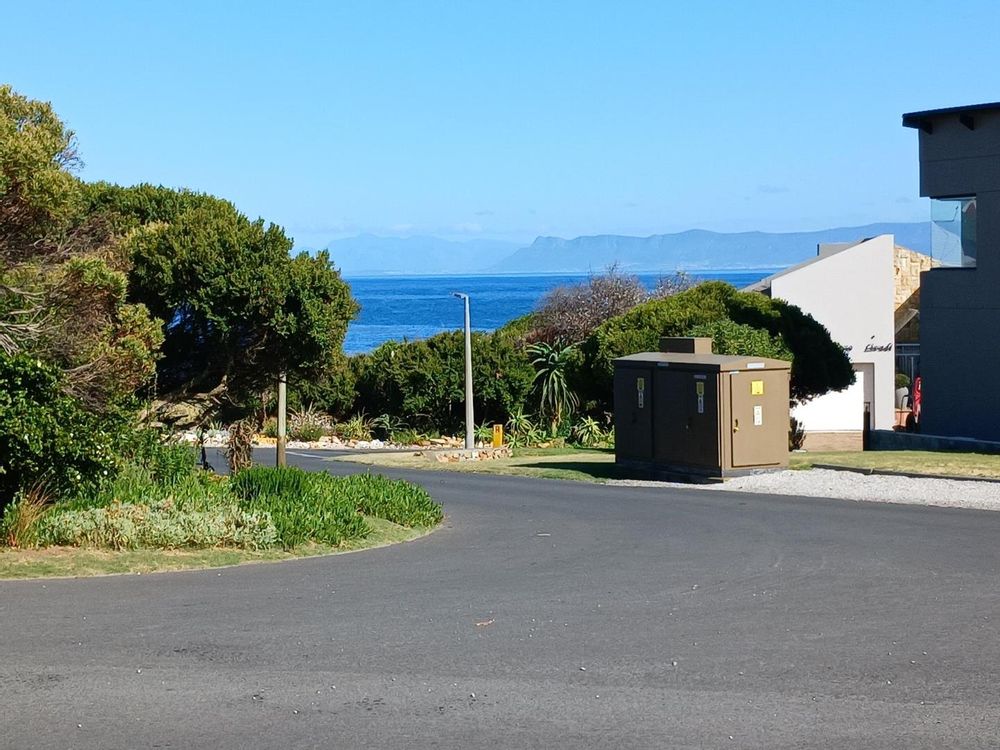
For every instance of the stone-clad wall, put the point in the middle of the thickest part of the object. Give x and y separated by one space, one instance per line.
908 266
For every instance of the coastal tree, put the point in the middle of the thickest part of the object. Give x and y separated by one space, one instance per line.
238 308
62 272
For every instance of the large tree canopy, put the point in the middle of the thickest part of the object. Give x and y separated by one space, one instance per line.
819 364
62 271
238 309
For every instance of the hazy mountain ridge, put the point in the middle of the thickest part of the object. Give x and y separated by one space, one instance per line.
692 250
695 249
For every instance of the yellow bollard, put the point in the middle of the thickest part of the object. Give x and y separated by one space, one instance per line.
498 436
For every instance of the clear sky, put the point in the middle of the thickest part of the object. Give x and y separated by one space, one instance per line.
510 119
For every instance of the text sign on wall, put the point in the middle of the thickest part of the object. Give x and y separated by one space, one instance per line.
640 387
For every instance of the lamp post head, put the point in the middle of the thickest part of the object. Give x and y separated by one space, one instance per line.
460 295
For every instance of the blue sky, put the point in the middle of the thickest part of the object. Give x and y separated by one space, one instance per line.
510 119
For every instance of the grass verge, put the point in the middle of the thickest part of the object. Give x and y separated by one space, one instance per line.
913 462
594 465
76 562
579 464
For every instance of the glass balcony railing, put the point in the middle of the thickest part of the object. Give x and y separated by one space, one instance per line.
953 231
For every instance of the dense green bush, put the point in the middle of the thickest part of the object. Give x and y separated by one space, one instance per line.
46 436
818 363
729 337
391 499
162 525
166 462
304 507
423 382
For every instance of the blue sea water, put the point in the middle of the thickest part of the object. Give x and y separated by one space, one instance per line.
415 307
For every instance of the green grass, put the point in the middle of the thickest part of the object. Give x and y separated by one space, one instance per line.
598 465
916 462
74 562
578 464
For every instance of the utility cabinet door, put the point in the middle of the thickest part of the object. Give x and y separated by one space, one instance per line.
633 413
759 418
703 420
687 418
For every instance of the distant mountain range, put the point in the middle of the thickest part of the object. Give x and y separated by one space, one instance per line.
692 250
370 255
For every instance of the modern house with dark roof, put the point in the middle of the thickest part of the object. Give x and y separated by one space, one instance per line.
960 299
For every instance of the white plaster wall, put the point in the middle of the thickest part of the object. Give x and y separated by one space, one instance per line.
851 293
840 411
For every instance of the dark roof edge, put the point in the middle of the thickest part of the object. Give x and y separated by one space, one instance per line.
915 119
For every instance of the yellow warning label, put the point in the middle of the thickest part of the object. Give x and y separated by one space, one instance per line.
756 387
640 384
699 388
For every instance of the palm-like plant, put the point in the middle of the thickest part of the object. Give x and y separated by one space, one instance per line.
550 361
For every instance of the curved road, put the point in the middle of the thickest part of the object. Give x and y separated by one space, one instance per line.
544 614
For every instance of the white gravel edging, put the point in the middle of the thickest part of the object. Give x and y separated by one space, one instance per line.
849 485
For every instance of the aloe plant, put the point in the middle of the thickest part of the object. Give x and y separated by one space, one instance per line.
556 398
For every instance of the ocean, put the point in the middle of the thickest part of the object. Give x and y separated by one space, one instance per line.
415 307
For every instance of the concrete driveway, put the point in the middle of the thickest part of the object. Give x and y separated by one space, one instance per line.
543 614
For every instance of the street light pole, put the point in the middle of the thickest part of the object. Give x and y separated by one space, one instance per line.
282 411
469 417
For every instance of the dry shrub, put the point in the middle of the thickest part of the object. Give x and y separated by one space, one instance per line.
20 518
571 312
239 451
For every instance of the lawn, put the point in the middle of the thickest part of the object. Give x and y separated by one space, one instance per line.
915 462
581 464
591 465
74 562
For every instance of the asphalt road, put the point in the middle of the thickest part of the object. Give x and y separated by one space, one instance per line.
543 614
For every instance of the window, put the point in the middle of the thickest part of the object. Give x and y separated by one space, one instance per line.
953 231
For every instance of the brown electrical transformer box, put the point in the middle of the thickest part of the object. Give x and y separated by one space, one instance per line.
711 415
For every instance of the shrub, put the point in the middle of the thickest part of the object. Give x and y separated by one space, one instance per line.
136 485
333 392
407 436
19 520
589 433
729 337
385 425
572 311
902 380
308 425
355 428
164 525
391 499
818 363
47 437
239 449
166 461
423 382
303 507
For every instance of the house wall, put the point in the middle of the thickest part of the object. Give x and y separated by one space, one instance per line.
851 292
960 307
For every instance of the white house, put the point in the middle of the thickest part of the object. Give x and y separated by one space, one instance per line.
850 289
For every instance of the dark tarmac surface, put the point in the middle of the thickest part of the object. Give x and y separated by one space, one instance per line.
543 614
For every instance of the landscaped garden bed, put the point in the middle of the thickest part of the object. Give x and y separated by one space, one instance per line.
162 512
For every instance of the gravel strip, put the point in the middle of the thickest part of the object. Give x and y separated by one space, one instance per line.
848 485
